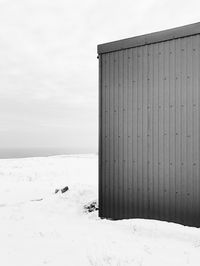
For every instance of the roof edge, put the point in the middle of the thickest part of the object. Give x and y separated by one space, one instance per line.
155 37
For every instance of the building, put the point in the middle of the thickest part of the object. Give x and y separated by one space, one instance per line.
149 126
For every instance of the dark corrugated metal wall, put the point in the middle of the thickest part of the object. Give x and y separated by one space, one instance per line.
149 132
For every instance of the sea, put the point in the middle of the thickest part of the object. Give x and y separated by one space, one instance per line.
6 153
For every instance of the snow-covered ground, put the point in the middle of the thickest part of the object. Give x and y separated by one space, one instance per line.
39 227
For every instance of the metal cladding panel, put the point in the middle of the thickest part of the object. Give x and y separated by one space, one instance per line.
150 132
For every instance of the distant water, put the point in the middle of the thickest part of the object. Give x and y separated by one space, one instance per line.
37 152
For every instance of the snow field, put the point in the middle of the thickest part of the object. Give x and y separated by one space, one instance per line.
39 227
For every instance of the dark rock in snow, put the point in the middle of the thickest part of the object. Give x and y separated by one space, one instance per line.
56 190
91 207
63 190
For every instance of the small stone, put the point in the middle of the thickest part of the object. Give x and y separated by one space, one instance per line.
56 190
63 190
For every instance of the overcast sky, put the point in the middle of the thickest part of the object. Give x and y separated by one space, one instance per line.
49 69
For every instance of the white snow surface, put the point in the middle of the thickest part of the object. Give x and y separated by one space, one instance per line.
39 227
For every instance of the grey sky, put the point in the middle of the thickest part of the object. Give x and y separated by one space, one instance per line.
48 65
